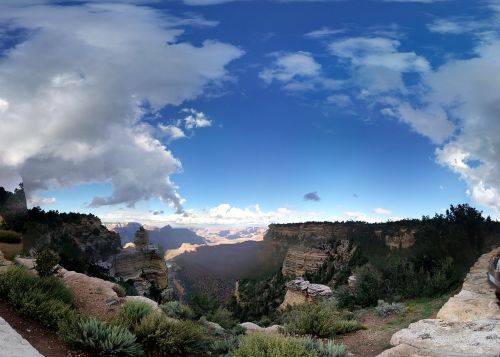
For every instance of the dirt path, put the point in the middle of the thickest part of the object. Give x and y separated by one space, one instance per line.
44 339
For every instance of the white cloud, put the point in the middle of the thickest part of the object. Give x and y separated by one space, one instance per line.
340 100
363 217
79 85
324 32
380 210
221 215
196 119
171 132
291 66
41 201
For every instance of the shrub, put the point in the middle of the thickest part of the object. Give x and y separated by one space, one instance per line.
177 310
94 336
10 237
225 346
119 290
345 298
264 345
319 319
223 317
157 331
45 299
203 305
386 309
46 262
368 286
131 313
328 349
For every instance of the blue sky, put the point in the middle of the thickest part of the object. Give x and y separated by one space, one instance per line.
232 112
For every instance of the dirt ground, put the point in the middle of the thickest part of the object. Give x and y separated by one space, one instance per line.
376 338
44 339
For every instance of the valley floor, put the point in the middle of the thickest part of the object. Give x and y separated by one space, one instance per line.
376 337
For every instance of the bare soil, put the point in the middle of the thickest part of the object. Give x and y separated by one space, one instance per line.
44 339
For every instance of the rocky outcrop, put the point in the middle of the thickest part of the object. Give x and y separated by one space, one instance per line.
300 291
141 263
306 232
467 325
251 327
403 239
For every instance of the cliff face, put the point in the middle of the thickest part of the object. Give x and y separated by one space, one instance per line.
300 260
405 238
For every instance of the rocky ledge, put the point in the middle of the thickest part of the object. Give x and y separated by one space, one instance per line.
467 325
300 291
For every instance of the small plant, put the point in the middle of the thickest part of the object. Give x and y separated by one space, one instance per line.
386 309
10 237
264 345
159 332
131 314
323 349
94 336
119 290
223 317
46 262
319 319
177 310
225 346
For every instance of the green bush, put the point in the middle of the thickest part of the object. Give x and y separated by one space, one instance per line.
46 262
264 345
321 349
203 305
223 317
345 297
320 319
45 299
10 237
119 290
368 287
177 310
99 339
131 313
386 309
225 346
159 332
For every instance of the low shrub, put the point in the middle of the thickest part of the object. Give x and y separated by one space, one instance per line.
131 313
386 309
319 319
177 310
119 290
323 349
10 237
45 299
159 332
225 346
223 317
99 339
46 262
265 345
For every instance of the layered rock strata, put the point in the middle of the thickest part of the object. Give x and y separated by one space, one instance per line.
467 325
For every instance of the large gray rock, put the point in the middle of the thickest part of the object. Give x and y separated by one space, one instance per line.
300 291
251 327
13 344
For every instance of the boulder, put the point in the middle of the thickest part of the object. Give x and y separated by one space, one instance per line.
300 291
251 327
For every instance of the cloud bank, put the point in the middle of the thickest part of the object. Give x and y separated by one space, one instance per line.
76 89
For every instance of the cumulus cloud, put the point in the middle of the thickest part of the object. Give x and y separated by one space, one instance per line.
223 214
41 201
74 92
380 210
196 119
291 66
312 196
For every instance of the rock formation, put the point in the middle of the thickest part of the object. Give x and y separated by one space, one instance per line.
143 264
467 325
300 260
403 239
300 291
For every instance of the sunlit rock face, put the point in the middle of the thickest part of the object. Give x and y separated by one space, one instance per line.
300 291
402 240
467 325
141 263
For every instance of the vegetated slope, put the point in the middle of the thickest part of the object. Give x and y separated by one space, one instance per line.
214 270
394 260
166 237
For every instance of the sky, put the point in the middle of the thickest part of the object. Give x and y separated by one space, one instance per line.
220 112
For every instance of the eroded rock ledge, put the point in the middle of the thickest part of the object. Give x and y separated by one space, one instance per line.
300 291
467 325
